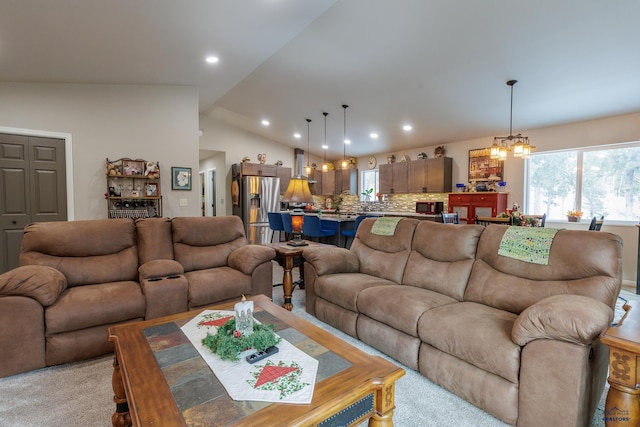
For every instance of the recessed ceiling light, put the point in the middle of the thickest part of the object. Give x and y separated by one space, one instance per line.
347 141
324 146
407 128
265 122
373 135
297 136
212 59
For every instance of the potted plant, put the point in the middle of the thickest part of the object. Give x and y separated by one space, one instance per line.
574 216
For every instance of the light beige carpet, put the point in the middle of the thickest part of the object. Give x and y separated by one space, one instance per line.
80 394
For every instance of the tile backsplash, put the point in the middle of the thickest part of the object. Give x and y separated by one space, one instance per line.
389 203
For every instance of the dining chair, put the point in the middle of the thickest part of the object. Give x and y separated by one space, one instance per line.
352 233
275 224
314 228
596 224
286 223
450 218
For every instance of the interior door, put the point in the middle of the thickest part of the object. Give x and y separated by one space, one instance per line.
32 189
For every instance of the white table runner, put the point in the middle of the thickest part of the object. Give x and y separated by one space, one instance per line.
288 376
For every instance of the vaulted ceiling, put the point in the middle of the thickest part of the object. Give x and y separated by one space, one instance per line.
439 65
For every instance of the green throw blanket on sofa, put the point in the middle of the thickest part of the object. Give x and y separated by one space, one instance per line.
529 244
385 226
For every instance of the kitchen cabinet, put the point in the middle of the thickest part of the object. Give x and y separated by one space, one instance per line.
346 181
430 175
468 205
394 178
285 176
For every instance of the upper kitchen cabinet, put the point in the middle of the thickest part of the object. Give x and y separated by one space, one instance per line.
394 178
430 175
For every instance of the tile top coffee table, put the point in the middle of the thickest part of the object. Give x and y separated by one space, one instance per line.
159 378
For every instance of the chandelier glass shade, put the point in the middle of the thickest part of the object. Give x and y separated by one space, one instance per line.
517 144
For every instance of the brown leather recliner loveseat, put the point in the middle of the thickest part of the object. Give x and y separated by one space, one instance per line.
518 339
77 278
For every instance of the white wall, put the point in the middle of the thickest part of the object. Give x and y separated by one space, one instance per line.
112 121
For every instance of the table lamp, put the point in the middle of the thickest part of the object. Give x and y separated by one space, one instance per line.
297 192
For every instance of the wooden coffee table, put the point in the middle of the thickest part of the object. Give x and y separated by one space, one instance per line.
158 381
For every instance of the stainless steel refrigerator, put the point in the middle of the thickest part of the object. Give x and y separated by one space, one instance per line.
258 195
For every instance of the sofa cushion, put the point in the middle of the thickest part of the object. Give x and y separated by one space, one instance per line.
86 252
442 257
216 284
154 239
206 242
399 306
478 334
93 305
571 318
43 284
343 289
580 263
384 256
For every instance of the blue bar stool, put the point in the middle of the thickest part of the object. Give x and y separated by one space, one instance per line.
275 223
313 227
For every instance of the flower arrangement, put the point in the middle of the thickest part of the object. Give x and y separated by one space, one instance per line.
574 216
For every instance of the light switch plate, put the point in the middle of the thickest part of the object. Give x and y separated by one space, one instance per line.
183 202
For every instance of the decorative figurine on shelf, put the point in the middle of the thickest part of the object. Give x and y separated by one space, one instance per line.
152 170
422 155
279 163
391 158
112 169
262 158
439 151
246 159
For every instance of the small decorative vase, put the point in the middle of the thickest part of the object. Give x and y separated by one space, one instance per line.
573 218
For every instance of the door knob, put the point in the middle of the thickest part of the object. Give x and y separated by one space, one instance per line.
14 222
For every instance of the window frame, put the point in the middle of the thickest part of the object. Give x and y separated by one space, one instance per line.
580 151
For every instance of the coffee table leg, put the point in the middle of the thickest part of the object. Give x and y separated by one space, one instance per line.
287 282
120 418
385 404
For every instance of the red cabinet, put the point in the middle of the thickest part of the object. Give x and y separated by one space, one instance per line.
468 205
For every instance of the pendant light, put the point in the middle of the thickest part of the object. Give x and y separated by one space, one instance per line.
307 169
325 165
345 141
519 144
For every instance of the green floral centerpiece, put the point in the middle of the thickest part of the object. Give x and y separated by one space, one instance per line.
228 343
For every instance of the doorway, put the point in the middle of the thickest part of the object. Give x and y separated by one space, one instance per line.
208 192
33 188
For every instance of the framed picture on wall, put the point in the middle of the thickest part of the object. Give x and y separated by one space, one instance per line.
483 168
180 178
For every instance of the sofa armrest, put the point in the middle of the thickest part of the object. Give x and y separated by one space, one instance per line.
160 268
248 257
571 318
42 283
332 260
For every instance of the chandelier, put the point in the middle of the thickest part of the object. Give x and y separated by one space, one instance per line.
517 144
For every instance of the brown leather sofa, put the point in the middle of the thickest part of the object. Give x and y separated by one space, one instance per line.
77 278
517 339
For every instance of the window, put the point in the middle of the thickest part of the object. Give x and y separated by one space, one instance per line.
599 181
368 184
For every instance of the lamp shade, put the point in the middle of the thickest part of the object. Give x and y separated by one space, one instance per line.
298 191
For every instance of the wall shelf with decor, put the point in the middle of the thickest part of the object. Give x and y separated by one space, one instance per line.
133 188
